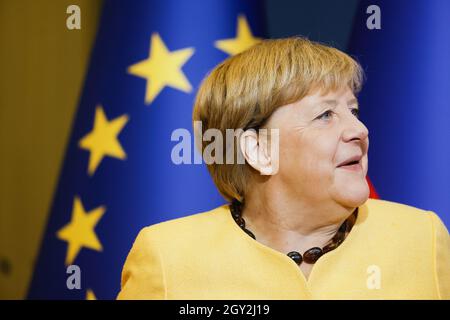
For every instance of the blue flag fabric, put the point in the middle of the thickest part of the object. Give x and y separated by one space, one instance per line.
118 174
405 102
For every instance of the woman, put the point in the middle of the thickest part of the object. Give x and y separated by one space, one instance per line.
299 224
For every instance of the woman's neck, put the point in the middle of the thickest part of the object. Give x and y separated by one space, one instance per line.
290 224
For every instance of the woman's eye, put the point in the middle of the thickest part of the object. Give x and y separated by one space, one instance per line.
355 112
326 115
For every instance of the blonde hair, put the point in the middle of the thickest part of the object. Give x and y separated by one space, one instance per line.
245 89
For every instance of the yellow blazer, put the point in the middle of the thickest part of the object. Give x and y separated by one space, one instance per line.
394 251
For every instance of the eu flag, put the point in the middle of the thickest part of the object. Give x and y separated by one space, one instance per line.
119 174
405 102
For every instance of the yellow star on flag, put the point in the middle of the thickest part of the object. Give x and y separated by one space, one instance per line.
162 68
90 295
102 140
244 39
79 232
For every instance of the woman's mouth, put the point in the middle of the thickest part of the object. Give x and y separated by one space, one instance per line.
352 166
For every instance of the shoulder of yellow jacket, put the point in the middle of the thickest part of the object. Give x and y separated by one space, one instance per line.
198 226
387 214
395 209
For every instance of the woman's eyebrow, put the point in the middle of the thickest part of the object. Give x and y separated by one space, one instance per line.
334 103
331 102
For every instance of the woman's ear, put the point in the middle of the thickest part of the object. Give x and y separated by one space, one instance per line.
255 149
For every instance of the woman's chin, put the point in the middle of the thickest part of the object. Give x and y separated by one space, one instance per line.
353 195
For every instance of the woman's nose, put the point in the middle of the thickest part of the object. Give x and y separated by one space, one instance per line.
355 129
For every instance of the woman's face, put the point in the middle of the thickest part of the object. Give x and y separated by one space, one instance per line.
318 134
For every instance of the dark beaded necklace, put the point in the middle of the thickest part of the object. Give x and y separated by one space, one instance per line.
310 256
